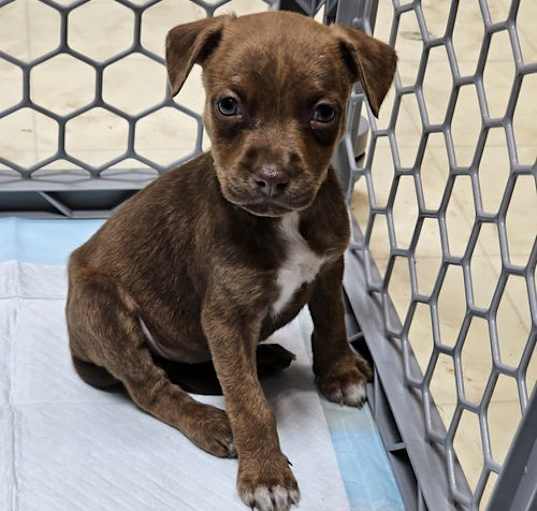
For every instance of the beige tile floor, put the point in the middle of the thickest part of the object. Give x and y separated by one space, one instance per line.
101 28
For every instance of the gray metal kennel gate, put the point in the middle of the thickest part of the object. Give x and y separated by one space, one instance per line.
420 447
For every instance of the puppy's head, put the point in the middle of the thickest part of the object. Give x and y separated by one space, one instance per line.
277 84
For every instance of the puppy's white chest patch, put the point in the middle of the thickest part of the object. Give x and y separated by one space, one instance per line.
300 266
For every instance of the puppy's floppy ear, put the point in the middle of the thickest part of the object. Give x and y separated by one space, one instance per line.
189 44
369 60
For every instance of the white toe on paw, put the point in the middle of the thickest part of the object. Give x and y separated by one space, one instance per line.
276 498
280 495
354 394
247 497
263 499
294 496
336 395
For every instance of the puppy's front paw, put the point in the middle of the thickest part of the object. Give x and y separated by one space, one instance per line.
268 485
211 431
345 382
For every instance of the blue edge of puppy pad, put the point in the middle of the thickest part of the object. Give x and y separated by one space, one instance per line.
362 461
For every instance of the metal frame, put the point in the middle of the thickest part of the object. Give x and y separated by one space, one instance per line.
516 490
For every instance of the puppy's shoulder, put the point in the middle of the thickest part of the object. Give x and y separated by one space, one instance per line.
186 182
326 224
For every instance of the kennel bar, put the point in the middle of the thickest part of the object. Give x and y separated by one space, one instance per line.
419 444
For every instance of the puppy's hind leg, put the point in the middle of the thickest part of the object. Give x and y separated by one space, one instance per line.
105 331
272 359
201 378
94 375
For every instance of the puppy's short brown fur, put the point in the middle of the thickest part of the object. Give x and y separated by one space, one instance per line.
213 257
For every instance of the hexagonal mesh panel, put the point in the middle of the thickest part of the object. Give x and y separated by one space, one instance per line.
447 204
85 90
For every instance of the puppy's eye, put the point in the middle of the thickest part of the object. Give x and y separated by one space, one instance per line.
323 113
228 106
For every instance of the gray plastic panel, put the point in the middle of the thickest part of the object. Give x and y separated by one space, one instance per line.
441 482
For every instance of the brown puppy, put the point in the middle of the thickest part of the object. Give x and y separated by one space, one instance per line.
213 257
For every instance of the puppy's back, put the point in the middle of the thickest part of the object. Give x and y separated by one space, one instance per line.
157 224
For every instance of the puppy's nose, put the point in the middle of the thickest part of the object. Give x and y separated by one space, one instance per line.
271 181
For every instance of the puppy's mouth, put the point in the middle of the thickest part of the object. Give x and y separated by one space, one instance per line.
266 206
266 209
260 205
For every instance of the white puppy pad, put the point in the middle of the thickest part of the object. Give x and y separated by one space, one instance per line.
67 446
